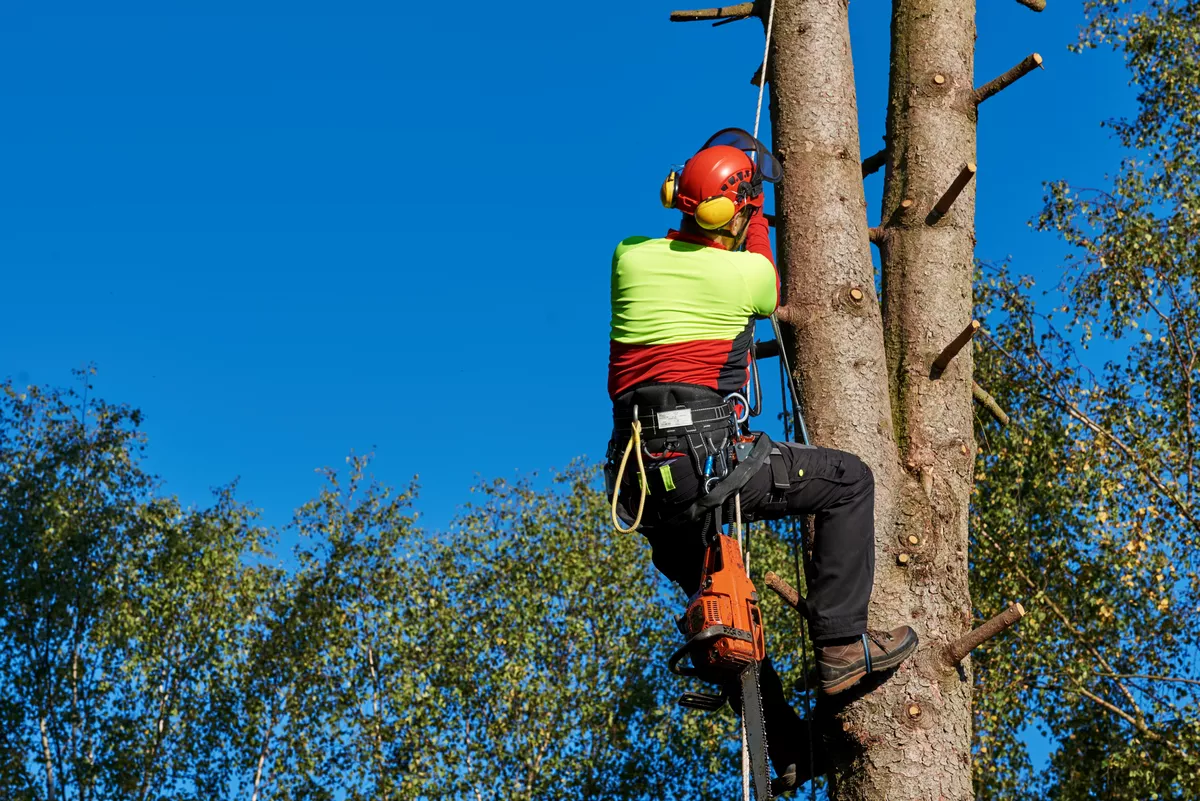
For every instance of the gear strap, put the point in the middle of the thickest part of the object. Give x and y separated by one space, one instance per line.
724 489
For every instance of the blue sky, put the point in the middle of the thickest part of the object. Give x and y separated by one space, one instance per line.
289 230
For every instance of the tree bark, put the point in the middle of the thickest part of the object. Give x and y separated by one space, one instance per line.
865 370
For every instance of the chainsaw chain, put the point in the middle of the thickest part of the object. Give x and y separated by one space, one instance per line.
756 736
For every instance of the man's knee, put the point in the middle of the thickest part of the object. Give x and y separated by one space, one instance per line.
863 478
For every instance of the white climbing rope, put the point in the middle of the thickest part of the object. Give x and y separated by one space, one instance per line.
737 526
737 499
762 83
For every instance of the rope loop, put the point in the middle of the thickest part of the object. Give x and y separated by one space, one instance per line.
634 444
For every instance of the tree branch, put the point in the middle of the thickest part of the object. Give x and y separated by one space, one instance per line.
950 351
1034 5
1185 508
872 163
1027 65
1080 638
786 592
988 402
952 192
1149 678
1116 710
767 349
957 651
50 790
739 11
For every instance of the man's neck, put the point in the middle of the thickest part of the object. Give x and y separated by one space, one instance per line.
688 226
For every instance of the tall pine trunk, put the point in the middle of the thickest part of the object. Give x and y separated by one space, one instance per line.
865 364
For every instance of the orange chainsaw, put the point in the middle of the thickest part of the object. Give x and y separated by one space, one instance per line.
724 628
723 623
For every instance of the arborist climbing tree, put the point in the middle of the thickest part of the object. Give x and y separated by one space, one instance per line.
683 314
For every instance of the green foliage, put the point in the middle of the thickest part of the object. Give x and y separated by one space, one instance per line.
119 611
1085 507
153 652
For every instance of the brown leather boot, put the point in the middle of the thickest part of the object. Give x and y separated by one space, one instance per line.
842 666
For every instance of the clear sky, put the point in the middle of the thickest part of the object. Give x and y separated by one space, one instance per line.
289 230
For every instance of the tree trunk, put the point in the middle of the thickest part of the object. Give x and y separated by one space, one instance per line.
876 376
872 392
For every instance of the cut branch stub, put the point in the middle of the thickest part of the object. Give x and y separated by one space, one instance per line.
1027 65
988 402
738 11
767 349
872 163
787 314
756 78
952 192
900 212
950 351
786 592
957 651
1034 5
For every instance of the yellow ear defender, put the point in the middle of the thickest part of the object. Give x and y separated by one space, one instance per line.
716 212
669 191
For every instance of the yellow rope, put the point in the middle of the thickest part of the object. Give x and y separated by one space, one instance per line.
634 444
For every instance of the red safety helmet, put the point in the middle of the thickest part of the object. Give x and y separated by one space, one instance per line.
721 179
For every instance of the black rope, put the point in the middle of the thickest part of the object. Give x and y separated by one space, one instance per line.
785 370
784 385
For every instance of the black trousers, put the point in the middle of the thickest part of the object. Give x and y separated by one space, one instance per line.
834 486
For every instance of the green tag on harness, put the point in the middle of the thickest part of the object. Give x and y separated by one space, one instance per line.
668 479
643 484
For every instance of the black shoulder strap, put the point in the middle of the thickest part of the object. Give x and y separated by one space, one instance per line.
732 483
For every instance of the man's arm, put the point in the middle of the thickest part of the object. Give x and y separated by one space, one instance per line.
758 236
758 240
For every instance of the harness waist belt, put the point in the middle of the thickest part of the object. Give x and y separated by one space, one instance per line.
680 419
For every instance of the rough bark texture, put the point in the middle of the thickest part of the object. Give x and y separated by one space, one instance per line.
927 271
865 367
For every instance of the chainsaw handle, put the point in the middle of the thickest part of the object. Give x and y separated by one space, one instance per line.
677 657
703 638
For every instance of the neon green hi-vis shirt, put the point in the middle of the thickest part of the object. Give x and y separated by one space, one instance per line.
684 312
